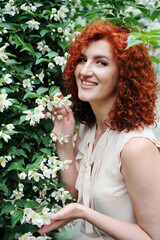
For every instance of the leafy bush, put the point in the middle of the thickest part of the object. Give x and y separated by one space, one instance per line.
34 37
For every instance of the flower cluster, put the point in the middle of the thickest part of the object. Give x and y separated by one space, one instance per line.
62 195
34 38
4 134
4 160
49 104
3 54
29 236
4 102
37 218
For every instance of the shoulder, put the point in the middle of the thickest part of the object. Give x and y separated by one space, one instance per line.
138 153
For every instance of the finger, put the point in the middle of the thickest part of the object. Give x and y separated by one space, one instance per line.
50 227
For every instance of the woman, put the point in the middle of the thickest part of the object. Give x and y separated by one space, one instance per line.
115 170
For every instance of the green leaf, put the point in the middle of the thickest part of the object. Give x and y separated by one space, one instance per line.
62 44
41 90
20 203
16 217
8 235
40 60
154 59
26 146
45 150
62 184
24 46
22 153
155 14
46 140
26 228
1 144
133 43
22 119
18 164
48 124
7 207
53 90
34 165
31 204
30 95
52 54
4 188
43 32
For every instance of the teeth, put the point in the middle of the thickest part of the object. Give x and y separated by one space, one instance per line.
88 83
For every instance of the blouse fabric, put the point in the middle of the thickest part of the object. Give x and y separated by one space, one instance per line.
100 183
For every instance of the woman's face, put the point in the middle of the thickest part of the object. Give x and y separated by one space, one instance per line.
97 73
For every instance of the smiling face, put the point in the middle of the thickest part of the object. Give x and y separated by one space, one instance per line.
97 73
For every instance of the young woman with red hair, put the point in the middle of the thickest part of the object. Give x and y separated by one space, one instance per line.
115 170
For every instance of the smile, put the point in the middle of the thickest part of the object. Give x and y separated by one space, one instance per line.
89 83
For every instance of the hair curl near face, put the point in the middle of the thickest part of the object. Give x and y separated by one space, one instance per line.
137 85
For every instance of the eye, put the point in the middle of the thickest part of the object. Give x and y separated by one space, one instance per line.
102 63
81 60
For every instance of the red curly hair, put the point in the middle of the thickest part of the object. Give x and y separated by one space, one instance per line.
137 85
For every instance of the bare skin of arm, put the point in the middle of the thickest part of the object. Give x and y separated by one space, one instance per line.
141 170
66 152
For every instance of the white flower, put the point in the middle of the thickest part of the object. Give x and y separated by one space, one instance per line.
11 2
65 164
6 137
41 76
54 10
47 172
33 24
51 65
35 175
59 30
53 160
11 40
35 188
45 210
37 4
17 194
33 8
59 60
46 219
8 7
3 161
3 56
62 11
10 126
81 21
29 114
27 83
66 100
54 172
7 78
22 175
4 103
45 49
38 101
20 186
41 44
25 236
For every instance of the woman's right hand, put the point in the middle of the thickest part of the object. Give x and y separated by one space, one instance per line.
66 125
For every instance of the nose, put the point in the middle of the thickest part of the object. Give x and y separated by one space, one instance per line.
86 69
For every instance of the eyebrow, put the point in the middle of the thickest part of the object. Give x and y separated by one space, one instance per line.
97 57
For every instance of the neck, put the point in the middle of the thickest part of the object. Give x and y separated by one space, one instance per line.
101 112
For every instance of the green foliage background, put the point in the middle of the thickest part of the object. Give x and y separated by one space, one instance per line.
29 145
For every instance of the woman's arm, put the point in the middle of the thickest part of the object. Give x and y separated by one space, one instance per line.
141 169
65 127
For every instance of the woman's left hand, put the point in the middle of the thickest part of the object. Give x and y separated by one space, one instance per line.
67 214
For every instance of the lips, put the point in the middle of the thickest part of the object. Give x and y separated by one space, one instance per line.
88 83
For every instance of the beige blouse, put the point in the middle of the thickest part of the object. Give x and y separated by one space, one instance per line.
100 183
